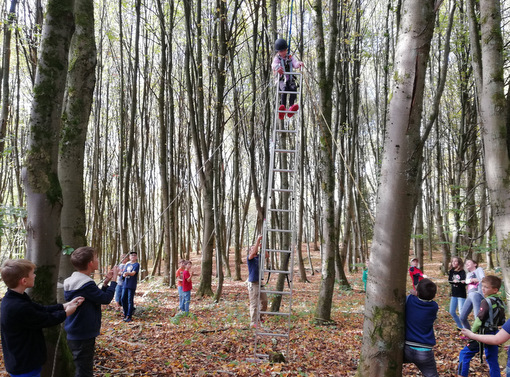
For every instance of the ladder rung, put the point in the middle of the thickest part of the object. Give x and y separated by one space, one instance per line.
280 230
273 334
284 314
279 251
287 131
282 190
279 210
276 292
284 170
286 150
287 92
278 271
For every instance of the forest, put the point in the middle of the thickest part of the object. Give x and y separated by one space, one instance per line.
146 126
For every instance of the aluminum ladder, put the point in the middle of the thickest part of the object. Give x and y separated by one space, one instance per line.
279 233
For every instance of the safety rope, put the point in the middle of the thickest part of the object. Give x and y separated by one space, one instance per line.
321 114
290 25
188 183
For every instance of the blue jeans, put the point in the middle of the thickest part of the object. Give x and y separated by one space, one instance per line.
456 302
83 356
181 298
472 302
118 294
128 301
32 373
469 351
186 297
424 360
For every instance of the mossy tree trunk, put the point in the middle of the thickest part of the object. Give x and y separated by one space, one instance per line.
383 329
81 81
40 175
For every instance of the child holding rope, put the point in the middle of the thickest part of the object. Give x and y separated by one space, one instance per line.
283 62
22 320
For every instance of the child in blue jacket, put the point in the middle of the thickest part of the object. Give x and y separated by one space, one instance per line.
421 312
85 324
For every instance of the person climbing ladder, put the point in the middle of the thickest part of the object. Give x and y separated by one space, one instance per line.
282 63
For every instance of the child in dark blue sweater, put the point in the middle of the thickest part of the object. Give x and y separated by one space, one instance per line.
84 325
421 312
22 320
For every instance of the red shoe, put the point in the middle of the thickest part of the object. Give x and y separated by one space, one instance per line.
294 107
280 114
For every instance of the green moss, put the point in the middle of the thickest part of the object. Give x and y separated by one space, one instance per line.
388 327
43 291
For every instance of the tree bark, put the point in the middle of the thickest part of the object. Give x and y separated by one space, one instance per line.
40 175
383 330
81 81
325 69
493 113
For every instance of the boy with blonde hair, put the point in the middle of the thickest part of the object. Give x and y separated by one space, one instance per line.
22 320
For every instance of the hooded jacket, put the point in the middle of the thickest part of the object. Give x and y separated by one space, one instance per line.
85 322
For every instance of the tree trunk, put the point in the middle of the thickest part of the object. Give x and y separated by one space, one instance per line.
383 330
493 114
6 60
81 81
327 164
40 175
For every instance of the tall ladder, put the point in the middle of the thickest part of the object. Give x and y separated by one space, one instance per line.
272 332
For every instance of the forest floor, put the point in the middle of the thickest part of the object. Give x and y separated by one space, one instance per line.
218 341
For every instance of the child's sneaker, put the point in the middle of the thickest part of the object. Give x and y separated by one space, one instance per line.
280 114
294 107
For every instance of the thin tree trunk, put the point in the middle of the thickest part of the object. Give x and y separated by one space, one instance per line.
327 164
383 330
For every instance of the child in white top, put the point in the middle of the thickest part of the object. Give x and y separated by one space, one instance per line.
283 62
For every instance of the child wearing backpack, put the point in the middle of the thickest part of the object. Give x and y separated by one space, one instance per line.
501 337
490 317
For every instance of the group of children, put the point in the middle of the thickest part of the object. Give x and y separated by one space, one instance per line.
421 312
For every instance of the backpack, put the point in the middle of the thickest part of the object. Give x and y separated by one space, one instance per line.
496 315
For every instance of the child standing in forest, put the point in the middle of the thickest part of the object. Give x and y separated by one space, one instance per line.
178 277
283 62
84 325
187 285
457 280
130 282
490 317
415 272
421 312
120 283
499 338
22 320
474 276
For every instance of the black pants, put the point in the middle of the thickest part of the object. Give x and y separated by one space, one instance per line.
83 356
290 86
